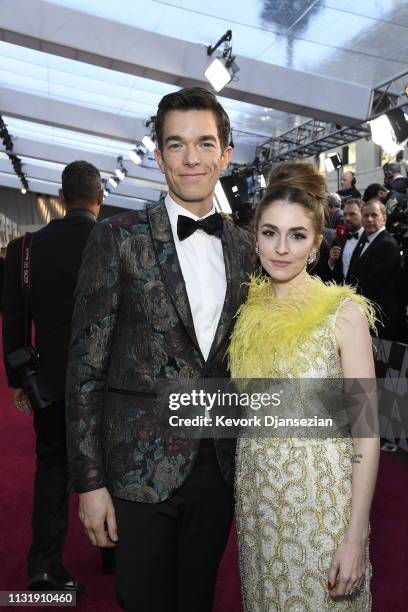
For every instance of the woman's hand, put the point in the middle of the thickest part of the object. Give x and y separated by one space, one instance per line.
347 567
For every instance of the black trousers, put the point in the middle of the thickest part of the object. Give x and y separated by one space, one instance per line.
50 505
168 553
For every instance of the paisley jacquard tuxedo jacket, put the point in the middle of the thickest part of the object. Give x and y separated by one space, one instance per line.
132 326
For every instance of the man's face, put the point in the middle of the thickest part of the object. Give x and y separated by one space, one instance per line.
373 218
352 217
333 209
192 157
346 180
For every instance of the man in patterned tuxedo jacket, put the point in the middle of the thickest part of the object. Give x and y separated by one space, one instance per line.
156 297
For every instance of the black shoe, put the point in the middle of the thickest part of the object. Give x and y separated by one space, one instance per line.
55 581
108 560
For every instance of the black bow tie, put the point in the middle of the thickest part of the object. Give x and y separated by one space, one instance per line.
187 226
349 236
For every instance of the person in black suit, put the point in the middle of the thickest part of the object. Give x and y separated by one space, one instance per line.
56 252
156 298
375 268
342 251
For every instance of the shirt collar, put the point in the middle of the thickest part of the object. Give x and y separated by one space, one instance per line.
79 212
374 236
174 210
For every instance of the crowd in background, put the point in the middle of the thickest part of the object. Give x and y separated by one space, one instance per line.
366 245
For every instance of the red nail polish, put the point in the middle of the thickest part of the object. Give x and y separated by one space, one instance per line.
329 585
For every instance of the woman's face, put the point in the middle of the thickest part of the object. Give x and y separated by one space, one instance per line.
286 237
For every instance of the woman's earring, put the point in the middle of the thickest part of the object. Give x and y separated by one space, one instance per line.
312 258
257 249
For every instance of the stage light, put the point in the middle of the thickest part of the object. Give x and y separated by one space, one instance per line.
133 155
390 130
23 190
148 143
120 173
219 73
262 181
222 69
114 181
333 162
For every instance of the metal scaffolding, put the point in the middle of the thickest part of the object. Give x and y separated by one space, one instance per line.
310 138
390 94
314 137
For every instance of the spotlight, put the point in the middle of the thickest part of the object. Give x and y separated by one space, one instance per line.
333 162
23 190
390 130
223 68
114 181
220 73
148 143
262 181
135 157
120 173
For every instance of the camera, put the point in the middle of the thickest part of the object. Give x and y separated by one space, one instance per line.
24 361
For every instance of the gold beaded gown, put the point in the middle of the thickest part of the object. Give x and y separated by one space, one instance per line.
292 494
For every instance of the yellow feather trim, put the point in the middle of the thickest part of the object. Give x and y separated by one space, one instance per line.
271 332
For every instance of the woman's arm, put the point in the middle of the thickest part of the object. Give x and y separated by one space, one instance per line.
355 347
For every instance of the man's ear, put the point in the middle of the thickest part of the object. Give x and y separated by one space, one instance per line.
61 197
99 199
159 159
226 157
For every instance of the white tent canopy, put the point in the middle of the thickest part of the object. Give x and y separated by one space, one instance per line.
79 79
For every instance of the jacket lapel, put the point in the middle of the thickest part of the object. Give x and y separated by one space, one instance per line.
380 236
231 251
356 255
169 265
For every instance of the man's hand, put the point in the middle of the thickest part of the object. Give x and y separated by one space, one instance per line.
97 515
334 255
21 401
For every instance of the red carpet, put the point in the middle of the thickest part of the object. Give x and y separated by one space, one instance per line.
389 539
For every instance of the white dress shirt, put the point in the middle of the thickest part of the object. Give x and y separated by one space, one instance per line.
202 265
348 250
370 239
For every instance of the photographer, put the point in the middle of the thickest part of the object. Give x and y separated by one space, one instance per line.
394 179
44 294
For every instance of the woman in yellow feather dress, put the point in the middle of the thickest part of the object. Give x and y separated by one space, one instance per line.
302 503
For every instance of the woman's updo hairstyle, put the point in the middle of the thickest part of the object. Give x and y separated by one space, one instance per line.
297 183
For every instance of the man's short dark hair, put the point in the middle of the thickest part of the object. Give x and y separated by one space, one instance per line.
193 98
372 191
81 183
